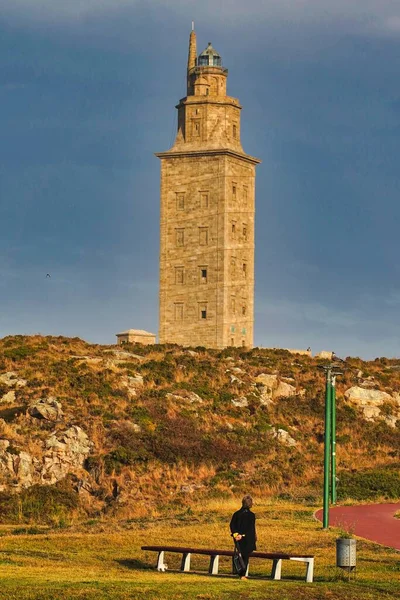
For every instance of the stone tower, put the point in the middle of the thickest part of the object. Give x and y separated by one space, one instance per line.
207 216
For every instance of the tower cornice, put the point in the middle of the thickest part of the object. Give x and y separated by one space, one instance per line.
211 152
222 101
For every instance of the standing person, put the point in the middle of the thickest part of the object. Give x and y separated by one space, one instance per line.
243 531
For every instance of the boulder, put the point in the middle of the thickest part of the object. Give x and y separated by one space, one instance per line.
284 390
190 488
272 387
241 402
8 398
371 412
12 380
236 380
185 395
23 467
235 370
46 408
120 354
367 397
267 380
266 398
284 437
94 360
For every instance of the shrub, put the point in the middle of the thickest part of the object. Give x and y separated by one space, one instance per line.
19 353
39 504
368 485
123 456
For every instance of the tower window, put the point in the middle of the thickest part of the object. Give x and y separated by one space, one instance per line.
234 191
244 267
245 232
179 311
233 265
203 236
233 305
244 310
245 194
203 311
179 237
179 275
233 228
204 199
203 274
196 127
234 131
232 341
180 201
243 343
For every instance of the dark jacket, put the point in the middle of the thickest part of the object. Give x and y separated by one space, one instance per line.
244 522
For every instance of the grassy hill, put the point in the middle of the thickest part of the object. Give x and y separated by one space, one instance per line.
131 431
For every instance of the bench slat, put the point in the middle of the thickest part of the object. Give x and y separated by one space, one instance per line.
212 552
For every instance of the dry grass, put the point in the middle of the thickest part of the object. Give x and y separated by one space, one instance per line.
104 561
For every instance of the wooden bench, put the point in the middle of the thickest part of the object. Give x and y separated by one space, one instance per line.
214 555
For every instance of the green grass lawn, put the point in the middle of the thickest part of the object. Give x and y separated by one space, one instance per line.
104 560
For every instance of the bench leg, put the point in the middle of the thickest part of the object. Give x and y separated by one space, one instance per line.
214 565
309 567
185 564
276 568
160 561
247 570
310 570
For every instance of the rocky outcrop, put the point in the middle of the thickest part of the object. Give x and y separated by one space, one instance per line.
125 356
46 408
17 469
64 452
371 402
272 387
133 384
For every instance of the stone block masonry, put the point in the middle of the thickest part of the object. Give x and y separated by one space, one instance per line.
207 217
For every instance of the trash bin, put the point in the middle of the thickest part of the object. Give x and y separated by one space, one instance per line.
346 553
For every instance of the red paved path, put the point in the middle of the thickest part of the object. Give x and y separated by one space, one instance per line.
373 522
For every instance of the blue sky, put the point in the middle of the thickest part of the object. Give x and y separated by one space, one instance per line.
87 95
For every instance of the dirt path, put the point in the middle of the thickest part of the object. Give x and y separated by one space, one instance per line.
373 522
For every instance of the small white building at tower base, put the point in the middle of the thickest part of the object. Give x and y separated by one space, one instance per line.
136 336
